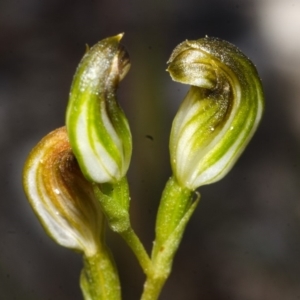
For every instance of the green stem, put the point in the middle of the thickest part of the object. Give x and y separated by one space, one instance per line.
175 210
138 249
152 288
99 278
114 199
173 206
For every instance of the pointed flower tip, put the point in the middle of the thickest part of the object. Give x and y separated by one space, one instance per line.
60 196
220 113
120 36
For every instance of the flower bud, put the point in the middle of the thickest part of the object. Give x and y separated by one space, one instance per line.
219 114
60 196
97 127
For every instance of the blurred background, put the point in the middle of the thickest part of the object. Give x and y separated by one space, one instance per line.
243 242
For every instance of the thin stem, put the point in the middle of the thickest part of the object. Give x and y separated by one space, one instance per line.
138 249
99 278
152 288
114 199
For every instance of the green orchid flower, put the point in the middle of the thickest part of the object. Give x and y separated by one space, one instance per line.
220 113
97 127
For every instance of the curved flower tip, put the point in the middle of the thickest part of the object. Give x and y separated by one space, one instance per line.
97 127
220 113
61 197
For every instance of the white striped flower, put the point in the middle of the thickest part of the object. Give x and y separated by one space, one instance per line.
220 113
60 196
97 127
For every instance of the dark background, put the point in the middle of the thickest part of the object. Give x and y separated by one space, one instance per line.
243 242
